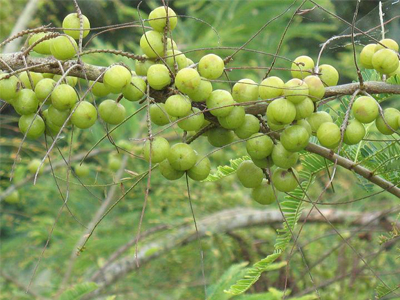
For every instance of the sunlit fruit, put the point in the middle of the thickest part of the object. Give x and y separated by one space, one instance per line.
329 135
249 175
354 132
187 80
32 125
36 77
385 61
82 170
295 90
281 111
64 97
158 114
26 102
263 194
316 89
72 21
249 126
295 138
317 119
158 76
220 103
70 80
194 122
34 165
161 16
178 106
202 93
84 115
366 56
8 87
245 90
283 158
306 125
182 157
211 66
219 137
116 78
259 146
234 119
63 47
302 66
389 43
152 44
159 150
365 109
43 47
201 169
391 118
285 180
176 57
304 109
141 67
57 117
44 89
169 172
112 112
271 87
99 89
329 75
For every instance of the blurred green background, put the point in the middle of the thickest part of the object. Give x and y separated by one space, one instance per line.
25 224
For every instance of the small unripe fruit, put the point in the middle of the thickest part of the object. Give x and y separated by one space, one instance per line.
72 21
84 116
259 146
316 89
182 157
36 125
354 133
295 90
99 89
306 125
329 75
34 165
281 111
211 66
64 97
36 77
317 119
159 150
81 170
43 47
176 57
385 61
234 119
158 18
389 43
194 122
283 158
220 98
152 44
271 87
187 80
263 163
366 56
365 109
302 67
63 47
12 198
57 117
219 137
392 117
116 78
245 90
8 87
295 138
250 126
202 93
112 112
44 89
114 163
178 106
169 172
158 114
200 170
263 194
249 175
304 109
70 80
141 67
329 135
285 180
26 102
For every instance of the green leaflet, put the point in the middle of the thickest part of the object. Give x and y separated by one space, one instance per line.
224 171
78 290
382 291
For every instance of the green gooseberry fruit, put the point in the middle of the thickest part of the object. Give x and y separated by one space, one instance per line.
182 157
187 80
8 88
63 47
158 76
44 88
329 135
282 158
203 92
302 66
12 198
329 75
259 146
176 56
263 194
26 102
48 75
211 66
190 62
392 117
64 97
271 87
219 137
194 122
112 112
365 109
152 44
158 114
306 125
295 90
171 44
50 127
250 126
317 119
70 80
389 43
36 77
159 150
295 138
304 109
285 180
72 21
169 172
114 163
82 170
235 118
249 175
220 103
385 61
316 89
57 117
274 126
116 78
135 90
366 56
396 72
84 116
200 170
34 165
35 130
99 89
245 90
141 67
178 106
43 47
281 111
158 18
263 163
354 132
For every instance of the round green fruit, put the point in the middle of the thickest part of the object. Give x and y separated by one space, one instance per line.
245 90
158 18
304 109
271 87
250 126
43 47
169 172
81 170
302 67
71 22
389 43
317 119
366 56
295 138
158 76
34 165
329 135
178 106
57 117
295 90
141 67
116 78
12 198
152 44
8 87
112 112
282 158
36 77
44 88
159 150
281 111
70 80
392 117
329 75
99 89
64 97
385 61
135 90
114 163
200 170
316 89
194 122
182 157
84 116
63 47
285 180
263 194
219 137
220 103
203 92
249 175
306 125
187 80
158 114
365 109
32 126
211 66
354 133
259 146
176 57
235 118
26 102
263 163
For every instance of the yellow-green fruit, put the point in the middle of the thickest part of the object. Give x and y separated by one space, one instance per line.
271 87
72 21
316 89
116 78
159 16
159 150
211 66
202 93
250 126
283 158
396 72
365 109
249 175
182 157
220 103
43 47
169 172
70 80
194 122
302 67
114 163
152 44
385 61
295 138
295 90
187 80
158 76
366 56
263 194
34 165
8 87
176 57
63 47
389 43
141 67
44 88
285 180
36 77
304 109
219 137
354 133
259 146
245 90
329 135
317 119
99 89
200 170
329 75
12 198
135 90
81 170
392 117
235 118
281 111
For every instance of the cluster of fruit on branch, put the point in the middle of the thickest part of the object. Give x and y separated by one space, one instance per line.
51 103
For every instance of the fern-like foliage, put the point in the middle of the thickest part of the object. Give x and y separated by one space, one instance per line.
382 291
78 291
224 171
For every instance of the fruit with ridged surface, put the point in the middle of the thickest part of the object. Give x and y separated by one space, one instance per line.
26 102
211 66
31 125
295 138
220 103
192 123
249 175
158 76
281 111
283 158
354 132
271 87
235 118
295 90
259 146
72 21
152 44
366 56
219 137
263 194
159 150
64 97
329 135
178 106
63 47
44 89
317 119
187 80
43 47
250 126
182 157
84 115
161 16
285 180
201 169
169 172
316 89
36 78
112 112
385 61
302 66
8 88
329 75
245 90
365 109
116 78
392 118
